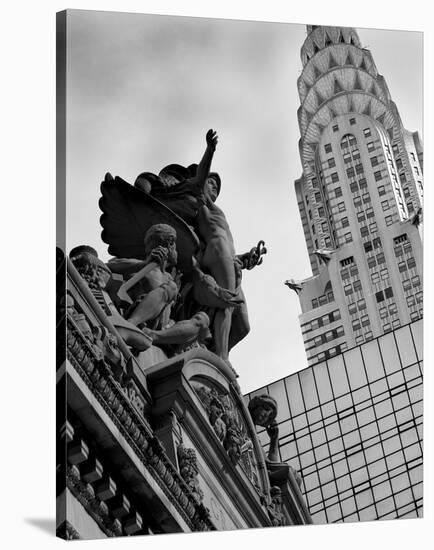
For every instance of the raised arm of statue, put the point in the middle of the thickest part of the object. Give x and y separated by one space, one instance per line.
205 164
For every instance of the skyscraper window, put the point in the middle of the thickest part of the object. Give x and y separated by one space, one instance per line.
379 296
388 292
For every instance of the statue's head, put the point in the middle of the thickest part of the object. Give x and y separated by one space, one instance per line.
163 235
91 268
263 410
213 181
213 184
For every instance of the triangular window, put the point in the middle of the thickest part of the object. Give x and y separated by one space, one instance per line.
337 87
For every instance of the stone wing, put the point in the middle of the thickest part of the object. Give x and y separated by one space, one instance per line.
128 212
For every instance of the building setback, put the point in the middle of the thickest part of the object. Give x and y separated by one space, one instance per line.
352 426
360 197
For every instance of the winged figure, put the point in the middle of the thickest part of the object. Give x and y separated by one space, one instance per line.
209 271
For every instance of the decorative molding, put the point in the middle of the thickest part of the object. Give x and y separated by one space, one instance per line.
357 84
230 428
381 118
316 72
275 507
95 507
97 377
349 60
338 87
367 109
332 62
189 470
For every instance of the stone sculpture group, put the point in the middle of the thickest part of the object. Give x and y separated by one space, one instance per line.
175 275
174 282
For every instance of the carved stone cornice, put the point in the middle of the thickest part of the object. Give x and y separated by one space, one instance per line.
95 507
97 376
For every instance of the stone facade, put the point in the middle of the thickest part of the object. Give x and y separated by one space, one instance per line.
141 451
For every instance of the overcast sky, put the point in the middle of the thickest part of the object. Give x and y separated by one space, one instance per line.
141 93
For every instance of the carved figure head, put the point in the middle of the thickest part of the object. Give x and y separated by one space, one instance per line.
91 268
263 410
213 184
163 235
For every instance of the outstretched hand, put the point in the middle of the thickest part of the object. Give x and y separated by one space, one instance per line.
211 139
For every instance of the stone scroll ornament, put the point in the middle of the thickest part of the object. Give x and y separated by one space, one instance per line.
207 271
230 428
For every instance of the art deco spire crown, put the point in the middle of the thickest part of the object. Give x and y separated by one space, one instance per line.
338 77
